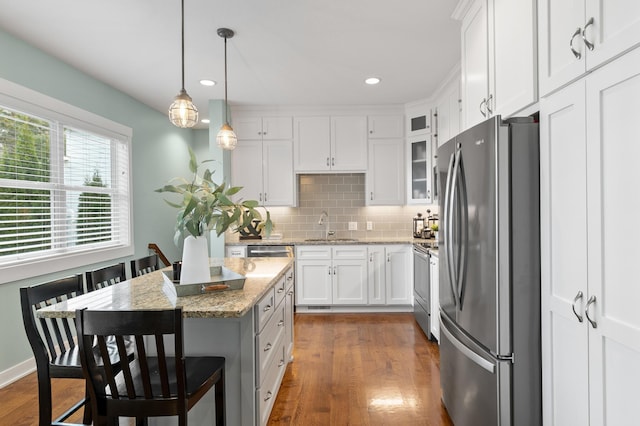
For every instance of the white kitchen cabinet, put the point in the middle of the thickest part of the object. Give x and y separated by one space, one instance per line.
331 275
325 144
350 275
390 276
420 159
418 119
263 128
265 171
399 274
434 289
273 343
385 173
376 275
385 126
498 58
590 320
475 64
447 115
567 29
288 312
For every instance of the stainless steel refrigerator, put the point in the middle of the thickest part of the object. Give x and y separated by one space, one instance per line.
490 368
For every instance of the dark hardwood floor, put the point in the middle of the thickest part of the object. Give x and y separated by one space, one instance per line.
348 369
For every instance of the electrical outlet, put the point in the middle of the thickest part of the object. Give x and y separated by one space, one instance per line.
369 225
353 226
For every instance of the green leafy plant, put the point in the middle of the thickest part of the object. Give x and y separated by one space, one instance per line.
434 227
207 206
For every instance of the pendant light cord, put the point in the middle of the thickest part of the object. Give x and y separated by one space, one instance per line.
183 45
226 121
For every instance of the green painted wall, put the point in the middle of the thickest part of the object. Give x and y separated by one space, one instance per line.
159 152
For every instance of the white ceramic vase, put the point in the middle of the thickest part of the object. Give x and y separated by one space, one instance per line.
195 261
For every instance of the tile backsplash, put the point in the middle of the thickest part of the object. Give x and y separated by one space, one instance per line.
342 197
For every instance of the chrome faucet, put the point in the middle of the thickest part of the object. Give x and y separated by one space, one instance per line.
324 220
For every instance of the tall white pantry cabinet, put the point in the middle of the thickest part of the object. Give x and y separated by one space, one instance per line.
590 199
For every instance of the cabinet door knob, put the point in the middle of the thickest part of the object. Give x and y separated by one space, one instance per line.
328 162
584 36
577 54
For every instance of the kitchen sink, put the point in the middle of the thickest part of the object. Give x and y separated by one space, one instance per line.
324 240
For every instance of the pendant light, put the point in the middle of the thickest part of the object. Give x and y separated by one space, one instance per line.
226 138
182 112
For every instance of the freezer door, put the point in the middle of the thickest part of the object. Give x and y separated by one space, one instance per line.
475 386
468 290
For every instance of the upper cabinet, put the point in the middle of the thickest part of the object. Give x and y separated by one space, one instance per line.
263 128
418 121
498 58
385 126
446 116
385 176
420 180
578 36
324 144
262 163
475 64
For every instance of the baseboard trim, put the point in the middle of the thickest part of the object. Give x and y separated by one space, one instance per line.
17 372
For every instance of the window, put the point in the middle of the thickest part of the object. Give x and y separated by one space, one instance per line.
64 186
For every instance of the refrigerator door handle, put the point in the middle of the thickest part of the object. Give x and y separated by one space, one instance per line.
477 359
463 242
448 235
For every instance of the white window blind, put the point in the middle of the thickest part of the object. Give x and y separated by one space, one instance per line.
64 190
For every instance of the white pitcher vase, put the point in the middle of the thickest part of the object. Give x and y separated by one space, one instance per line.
195 261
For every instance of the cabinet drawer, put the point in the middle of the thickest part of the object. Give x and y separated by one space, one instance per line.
264 308
266 394
280 289
350 252
268 342
289 280
313 252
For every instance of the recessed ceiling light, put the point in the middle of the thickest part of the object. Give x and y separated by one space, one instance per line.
372 80
207 82
205 121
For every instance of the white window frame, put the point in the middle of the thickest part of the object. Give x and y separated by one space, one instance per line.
23 99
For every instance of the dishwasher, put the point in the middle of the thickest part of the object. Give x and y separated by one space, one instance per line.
269 251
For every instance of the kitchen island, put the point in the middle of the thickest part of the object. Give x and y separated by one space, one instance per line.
252 328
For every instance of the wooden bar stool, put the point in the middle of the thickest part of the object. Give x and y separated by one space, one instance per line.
144 265
55 350
148 386
105 277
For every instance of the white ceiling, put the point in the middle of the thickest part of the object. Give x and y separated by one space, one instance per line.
285 52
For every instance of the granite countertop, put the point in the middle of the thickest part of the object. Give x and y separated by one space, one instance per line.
301 241
149 292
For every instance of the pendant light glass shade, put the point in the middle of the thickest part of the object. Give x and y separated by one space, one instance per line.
226 137
182 112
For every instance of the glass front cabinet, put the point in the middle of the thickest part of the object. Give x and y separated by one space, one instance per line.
421 185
